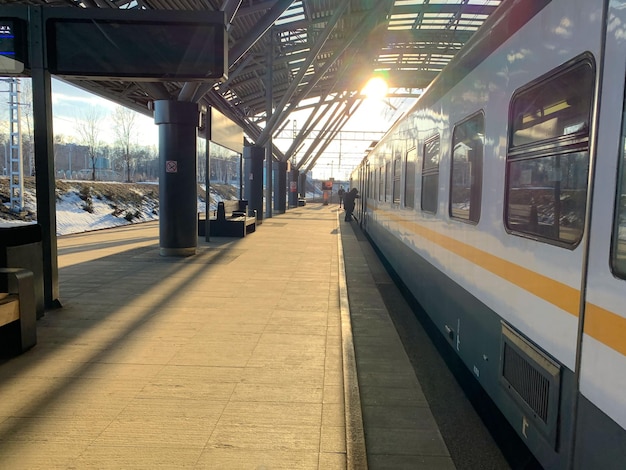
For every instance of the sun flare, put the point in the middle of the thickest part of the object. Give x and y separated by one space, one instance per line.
376 88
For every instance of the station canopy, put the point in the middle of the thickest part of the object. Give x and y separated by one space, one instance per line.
314 55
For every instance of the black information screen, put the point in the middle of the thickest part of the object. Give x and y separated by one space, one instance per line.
12 53
136 50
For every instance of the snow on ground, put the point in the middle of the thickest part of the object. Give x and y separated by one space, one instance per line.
113 204
72 217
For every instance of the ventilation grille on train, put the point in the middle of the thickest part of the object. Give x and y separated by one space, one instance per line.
527 381
532 379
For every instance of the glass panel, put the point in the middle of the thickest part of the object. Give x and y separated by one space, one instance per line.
618 255
409 180
396 181
430 175
467 158
547 177
557 107
429 192
431 154
547 196
387 181
225 165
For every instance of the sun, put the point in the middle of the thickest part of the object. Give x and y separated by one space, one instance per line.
376 88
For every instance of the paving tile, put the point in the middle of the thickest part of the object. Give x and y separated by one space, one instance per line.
158 430
271 414
78 430
333 415
246 459
333 439
289 393
194 390
206 374
280 374
401 417
332 461
409 462
40 455
402 442
99 456
215 353
269 438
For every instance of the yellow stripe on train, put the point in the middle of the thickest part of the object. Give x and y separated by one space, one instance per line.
603 325
606 326
546 288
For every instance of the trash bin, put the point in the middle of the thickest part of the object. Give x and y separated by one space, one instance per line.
20 247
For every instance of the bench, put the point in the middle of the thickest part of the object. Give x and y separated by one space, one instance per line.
21 245
231 220
18 331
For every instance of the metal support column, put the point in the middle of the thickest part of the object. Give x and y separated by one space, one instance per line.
178 195
269 98
44 159
253 157
280 188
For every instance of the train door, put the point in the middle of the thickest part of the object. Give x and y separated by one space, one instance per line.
365 188
600 439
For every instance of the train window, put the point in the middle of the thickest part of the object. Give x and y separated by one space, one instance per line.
618 247
396 181
409 178
467 168
387 181
554 108
381 183
430 175
375 184
548 156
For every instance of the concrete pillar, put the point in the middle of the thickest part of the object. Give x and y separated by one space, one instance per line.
253 157
178 195
280 189
293 188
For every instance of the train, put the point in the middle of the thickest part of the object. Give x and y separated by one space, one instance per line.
499 200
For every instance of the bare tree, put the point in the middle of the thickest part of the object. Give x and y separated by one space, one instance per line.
88 128
124 120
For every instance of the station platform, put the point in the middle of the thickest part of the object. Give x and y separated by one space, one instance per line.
273 351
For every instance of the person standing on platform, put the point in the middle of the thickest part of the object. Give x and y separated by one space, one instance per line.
348 203
340 193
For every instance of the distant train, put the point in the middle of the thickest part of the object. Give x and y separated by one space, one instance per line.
500 201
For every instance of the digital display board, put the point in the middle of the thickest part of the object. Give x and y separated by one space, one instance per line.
12 46
136 50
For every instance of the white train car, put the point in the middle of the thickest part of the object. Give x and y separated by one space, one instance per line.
500 201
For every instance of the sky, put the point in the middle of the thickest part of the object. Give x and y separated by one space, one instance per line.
70 104
375 115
